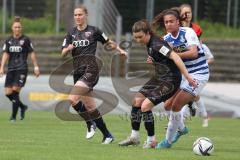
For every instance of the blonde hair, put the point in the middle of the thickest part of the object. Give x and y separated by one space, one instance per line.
82 7
185 5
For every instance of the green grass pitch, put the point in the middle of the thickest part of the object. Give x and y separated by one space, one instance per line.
42 136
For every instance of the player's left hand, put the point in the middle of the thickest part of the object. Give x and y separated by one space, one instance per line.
192 82
36 71
123 52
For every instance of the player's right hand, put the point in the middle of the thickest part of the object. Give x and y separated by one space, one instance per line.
70 47
1 72
149 60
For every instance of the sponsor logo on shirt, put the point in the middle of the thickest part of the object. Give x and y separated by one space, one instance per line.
15 49
81 43
87 34
21 42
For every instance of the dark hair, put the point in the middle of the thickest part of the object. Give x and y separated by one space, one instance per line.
17 19
82 7
141 25
158 21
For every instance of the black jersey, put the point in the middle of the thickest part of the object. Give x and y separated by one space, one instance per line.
18 50
159 51
85 43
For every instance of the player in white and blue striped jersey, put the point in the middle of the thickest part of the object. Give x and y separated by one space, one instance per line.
185 42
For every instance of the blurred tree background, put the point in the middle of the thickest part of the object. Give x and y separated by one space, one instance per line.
40 15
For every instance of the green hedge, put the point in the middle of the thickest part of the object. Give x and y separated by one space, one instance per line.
218 30
45 25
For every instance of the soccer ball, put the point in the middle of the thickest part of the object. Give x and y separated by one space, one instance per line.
203 146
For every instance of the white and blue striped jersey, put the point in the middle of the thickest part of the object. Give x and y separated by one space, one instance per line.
187 37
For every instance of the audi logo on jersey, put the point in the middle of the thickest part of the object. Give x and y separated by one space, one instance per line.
81 43
15 49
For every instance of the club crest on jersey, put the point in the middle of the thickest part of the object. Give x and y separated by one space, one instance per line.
21 42
87 34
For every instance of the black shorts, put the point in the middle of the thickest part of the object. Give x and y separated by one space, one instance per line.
90 78
158 90
16 78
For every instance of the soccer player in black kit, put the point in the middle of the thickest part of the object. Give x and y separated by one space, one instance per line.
166 81
81 42
16 50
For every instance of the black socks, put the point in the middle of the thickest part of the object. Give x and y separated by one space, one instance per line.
91 116
136 116
14 97
81 110
148 119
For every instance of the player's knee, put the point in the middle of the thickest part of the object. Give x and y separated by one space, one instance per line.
167 107
8 92
176 108
73 99
137 102
145 108
197 98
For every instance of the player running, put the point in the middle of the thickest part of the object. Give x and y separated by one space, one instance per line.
185 42
186 14
81 42
15 51
164 84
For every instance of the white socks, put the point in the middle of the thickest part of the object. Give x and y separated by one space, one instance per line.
202 108
135 134
174 123
151 138
185 111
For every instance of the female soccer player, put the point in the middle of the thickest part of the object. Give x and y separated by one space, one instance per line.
186 14
166 81
81 42
16 50
185 42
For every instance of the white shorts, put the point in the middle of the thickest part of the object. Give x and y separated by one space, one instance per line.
201 79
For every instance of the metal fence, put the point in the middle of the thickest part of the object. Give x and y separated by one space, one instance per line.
223 11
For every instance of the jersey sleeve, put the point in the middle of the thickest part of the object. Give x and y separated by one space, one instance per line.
29 45
191 38
163 49
100 36
208 53
67 40
5 47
